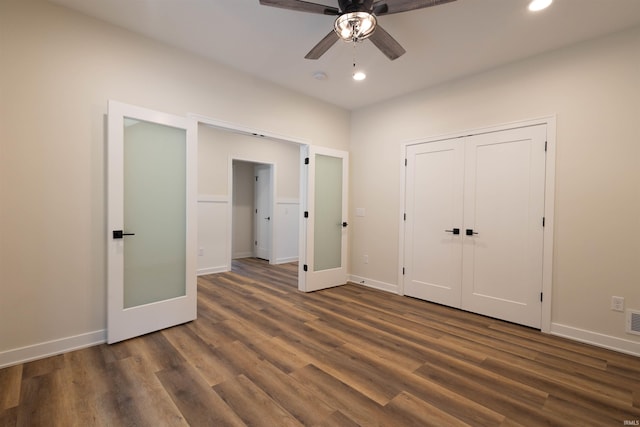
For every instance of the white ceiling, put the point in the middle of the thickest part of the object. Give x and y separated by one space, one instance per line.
443 42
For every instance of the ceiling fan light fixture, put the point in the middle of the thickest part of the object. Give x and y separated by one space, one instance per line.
355 26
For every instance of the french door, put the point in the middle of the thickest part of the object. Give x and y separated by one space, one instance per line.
151 221
324 225
475 218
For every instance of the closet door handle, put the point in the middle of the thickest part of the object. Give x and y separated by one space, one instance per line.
470 232
454 231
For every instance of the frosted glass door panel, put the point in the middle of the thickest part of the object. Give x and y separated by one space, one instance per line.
155 211
328 213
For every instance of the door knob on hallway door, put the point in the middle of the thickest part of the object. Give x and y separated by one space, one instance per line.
470 232
454 231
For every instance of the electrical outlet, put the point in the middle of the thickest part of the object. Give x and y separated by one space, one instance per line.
617 303
200 251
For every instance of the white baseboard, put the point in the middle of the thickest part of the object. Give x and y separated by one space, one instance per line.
286 260
594 338
212 270
237 255
375 284
51 348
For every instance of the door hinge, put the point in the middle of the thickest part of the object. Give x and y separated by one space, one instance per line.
405 216
543 221
541 296
306 160
255 242
545 146
405 162
256 179
304 267
403 271
306 214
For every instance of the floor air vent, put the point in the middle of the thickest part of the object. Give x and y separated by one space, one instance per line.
633 322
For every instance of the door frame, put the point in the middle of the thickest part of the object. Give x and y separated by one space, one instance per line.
549 200
303 145
272 186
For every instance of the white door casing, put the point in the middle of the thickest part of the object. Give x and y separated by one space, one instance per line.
129 316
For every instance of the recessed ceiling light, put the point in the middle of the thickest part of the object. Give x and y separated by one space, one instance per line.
537 5
359 75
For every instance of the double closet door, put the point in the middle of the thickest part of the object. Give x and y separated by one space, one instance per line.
474 223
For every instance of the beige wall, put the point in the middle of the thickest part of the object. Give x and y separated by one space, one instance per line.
594 90
57 71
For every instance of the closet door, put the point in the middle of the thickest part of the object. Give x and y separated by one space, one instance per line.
503 224
434 195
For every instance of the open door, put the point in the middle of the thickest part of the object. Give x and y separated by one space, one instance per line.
324 229
152 221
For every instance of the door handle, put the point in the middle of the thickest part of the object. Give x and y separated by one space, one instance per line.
119 234
470 232
344 224
268 218
454 231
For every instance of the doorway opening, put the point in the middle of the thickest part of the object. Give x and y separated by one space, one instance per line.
252 215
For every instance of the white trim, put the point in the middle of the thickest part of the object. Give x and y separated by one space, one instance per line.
374 284
287 201
549 199
286 260
207 198
213 270
246 130
51 348
594 338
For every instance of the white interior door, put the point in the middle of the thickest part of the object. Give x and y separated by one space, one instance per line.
152 164
263 214
434 196
504 210
325 223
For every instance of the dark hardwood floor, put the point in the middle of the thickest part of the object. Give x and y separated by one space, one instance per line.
263 354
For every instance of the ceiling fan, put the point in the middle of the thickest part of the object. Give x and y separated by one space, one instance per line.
356 21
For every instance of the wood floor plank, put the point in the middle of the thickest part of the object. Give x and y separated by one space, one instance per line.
199 403
37 404
411 411
198 354
10 380
139 396
253 405
353 404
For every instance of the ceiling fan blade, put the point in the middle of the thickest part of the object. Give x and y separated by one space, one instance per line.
387 44
323 46
387 7
302 6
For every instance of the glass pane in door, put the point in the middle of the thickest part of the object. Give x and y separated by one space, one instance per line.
327 245
155 211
